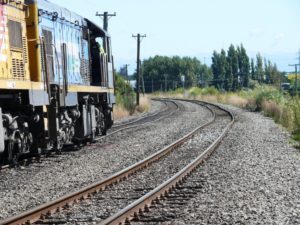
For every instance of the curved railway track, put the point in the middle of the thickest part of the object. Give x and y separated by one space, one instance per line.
118 125
43 213
170 108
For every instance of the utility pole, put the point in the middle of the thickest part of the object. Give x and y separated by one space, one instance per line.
142 75
106 16
296 73
138 70
126 72
296 79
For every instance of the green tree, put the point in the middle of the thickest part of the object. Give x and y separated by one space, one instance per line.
232 59
215 68
205 76
244 67
253 77
259 68
223 66
162 70
268 70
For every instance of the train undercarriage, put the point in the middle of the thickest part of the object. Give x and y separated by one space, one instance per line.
27 129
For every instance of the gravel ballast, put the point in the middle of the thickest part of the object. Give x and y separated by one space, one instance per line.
39 183
117 197
252 178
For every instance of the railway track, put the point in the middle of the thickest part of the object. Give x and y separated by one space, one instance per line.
43 213
132 121
170 108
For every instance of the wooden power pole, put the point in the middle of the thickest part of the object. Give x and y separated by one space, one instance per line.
138 69
106 16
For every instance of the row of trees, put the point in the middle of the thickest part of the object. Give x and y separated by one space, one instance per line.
161 72
232 70
264 71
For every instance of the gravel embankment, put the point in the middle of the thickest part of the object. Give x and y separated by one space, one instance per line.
115 198
54 177
252 178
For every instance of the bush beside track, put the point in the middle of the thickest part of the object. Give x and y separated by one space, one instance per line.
126 100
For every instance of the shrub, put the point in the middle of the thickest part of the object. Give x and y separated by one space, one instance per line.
210 91
265 93
125 96
195 91
294 106
253 84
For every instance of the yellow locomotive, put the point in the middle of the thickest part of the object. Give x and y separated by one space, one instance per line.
56 78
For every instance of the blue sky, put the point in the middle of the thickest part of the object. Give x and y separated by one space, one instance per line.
197 27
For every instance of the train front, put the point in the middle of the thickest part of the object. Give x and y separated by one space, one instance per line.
56 78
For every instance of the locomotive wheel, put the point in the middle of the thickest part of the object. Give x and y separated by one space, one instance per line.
104 131
13 154
58 148
91 138
101 126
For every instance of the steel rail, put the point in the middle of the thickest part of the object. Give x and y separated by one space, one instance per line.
139 125
39 212
139 206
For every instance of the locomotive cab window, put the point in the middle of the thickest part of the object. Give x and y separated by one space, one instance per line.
101 45
15 34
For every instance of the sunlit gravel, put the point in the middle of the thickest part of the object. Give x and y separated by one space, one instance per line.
24 188
252 178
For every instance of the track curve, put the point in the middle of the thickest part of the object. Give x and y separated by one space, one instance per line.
85 193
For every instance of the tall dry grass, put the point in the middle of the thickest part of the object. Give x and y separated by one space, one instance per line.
207 98
272 109
144 104
120 112
236 101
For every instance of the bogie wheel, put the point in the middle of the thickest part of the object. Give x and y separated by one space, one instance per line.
13 154
104 131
